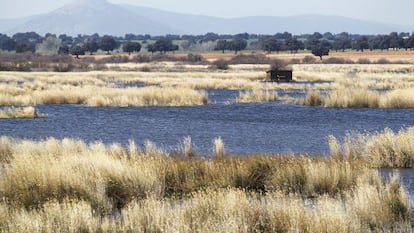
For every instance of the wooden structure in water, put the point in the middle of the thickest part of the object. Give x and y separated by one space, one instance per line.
279 76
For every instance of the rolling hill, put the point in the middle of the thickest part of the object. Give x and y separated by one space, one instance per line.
100 16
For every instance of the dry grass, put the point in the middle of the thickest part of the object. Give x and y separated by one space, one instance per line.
383 149
219 151
19 88
361 98
105 96
358 76
352 98
26 112
147 96
70 186
226 211
257 96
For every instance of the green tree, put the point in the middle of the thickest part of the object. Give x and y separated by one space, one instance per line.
24 47
7 43
63 50
294 45
321 49
238 44
385 42
271 44
151 48
409 43
164 45
342 42
77 50
362 43
222 45
91 46
66 40
108 43
131 47
396 41
27 37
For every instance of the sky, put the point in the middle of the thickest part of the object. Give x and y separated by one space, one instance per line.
386 11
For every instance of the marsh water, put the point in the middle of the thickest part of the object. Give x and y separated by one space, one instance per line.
273 127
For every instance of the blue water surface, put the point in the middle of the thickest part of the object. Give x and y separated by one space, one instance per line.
245 128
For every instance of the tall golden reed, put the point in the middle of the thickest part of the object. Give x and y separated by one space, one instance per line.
360 98
385 149
71 186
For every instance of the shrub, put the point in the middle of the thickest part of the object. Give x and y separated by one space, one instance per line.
383 61
63 67
194 58
220 64
363 61
313 98
249 59
277 64
115 59
337 60
145 69
309 59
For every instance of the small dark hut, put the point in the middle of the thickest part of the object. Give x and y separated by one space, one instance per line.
279 76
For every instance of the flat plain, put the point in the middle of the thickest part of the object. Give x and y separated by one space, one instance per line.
70 185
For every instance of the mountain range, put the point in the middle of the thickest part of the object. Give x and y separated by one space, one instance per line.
102 17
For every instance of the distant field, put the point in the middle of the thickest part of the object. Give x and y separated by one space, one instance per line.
373 56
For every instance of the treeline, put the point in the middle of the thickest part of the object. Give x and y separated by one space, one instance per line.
319 44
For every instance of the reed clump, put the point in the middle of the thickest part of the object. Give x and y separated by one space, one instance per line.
257 96
360 98
386 149
312 98
106 96
148 96
368 208
23 112
343 98
70 186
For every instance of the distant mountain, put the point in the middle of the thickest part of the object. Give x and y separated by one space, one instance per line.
100 16
300 24
88 17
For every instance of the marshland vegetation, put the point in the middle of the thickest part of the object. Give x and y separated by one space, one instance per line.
20 112
70 186
344 85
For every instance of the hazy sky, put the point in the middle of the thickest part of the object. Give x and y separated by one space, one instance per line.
389 11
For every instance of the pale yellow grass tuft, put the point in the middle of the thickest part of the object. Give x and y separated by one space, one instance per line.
219 150
352 98
361 98
382 149
24 112
148 96
257 96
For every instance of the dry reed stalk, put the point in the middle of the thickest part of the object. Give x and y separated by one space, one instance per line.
367 208
219 151
361 98
257 96
381 149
